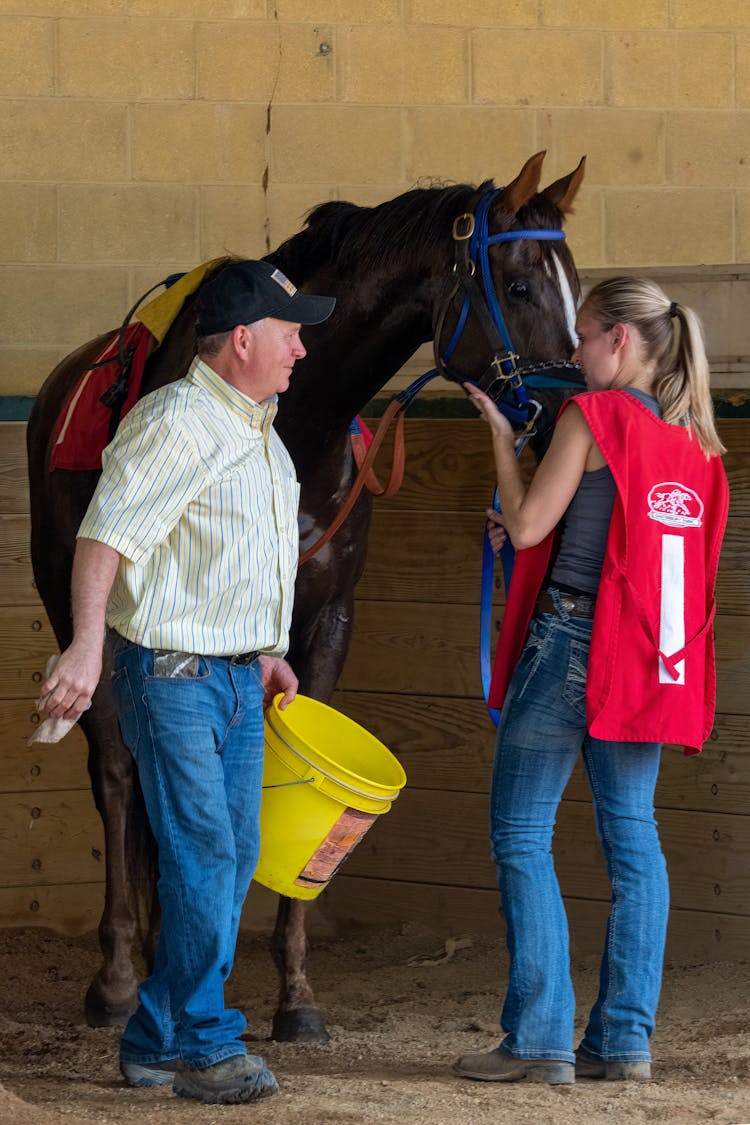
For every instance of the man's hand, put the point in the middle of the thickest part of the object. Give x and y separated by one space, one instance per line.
277 676
67 691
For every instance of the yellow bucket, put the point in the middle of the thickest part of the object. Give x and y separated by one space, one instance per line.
325 781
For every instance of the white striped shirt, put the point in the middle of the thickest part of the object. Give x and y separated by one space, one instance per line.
200 498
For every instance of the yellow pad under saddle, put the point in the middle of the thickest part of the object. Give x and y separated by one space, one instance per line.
158 314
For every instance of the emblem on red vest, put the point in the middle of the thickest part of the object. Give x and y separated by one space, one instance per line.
675 504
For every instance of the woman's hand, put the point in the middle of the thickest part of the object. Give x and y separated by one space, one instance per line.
496 531
497 422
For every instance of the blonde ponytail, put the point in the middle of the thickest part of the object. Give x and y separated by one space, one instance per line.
673 340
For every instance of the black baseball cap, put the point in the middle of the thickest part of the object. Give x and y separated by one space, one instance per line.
245 291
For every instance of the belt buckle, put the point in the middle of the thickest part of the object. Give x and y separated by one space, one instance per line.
243 658
568 603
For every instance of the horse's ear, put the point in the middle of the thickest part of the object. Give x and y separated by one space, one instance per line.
563 191
526 184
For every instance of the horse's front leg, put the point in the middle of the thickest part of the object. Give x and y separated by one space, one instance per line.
317 657
111 995
297 1018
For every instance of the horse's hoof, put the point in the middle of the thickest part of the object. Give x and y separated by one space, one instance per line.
101 1014
299 1025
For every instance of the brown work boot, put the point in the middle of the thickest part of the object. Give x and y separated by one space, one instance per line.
497 1066
586 1067
241 1078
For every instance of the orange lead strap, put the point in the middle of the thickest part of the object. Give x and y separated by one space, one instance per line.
394 409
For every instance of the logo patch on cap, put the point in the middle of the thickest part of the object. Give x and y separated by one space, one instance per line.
284 282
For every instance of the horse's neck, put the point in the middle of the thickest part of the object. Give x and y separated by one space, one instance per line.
370 338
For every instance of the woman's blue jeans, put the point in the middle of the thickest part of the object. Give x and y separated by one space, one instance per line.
542 730
197 740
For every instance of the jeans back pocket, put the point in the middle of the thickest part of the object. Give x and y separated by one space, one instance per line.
574 691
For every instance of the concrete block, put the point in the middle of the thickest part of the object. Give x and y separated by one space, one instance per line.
742 69
667 227
550 68
52 7
325 145
28 222
288 205
259 61
468 144
585 228
201 9
25 369
339 11
404 66
198 142
28 54
592 13
54 306
369 195
127 222
232 221
43 139
719 13
657 69
709 149
622 146
126 58
475 13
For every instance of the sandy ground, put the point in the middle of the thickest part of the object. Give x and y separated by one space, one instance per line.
400 1006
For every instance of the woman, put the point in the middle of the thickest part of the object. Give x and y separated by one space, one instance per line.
618 537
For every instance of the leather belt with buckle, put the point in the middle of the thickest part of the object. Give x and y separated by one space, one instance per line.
576 605
243 658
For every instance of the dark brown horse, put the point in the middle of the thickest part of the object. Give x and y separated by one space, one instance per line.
390 268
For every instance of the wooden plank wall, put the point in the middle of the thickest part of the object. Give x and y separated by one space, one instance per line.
412 678
51 844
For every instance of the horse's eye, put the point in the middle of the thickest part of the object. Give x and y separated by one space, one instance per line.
520 291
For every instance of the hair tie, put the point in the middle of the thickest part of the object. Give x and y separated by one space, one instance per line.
673 309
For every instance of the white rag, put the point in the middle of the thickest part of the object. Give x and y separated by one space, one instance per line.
50 730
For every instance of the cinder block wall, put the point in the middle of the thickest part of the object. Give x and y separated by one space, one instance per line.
142 136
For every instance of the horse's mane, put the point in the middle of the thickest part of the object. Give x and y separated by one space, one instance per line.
342 234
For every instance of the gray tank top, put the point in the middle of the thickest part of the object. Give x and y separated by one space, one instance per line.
585 525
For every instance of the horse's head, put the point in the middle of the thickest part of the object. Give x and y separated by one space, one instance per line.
508 321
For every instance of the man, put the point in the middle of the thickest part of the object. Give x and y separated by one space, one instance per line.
188 551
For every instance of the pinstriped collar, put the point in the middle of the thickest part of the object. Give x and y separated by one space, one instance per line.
258 414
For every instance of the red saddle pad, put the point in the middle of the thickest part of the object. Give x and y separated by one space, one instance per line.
82 429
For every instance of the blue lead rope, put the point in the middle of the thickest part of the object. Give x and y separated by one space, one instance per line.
507 559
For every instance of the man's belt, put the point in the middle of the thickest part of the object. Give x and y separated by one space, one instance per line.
243 658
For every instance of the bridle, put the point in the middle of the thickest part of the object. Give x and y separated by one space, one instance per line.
506 379
509 376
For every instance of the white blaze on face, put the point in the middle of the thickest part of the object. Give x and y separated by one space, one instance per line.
568 301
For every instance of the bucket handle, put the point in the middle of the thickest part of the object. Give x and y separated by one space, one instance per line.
330 776
284 784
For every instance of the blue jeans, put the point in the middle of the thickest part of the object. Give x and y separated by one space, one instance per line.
542 730
198 745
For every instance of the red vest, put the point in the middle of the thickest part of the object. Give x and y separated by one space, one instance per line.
651 673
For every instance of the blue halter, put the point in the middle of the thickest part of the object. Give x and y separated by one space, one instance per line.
519 409
474 228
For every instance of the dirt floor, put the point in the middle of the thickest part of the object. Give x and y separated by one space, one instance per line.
400 1006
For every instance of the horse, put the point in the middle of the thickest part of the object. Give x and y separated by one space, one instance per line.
393 273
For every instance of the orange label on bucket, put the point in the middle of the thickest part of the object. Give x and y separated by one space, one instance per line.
331 853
